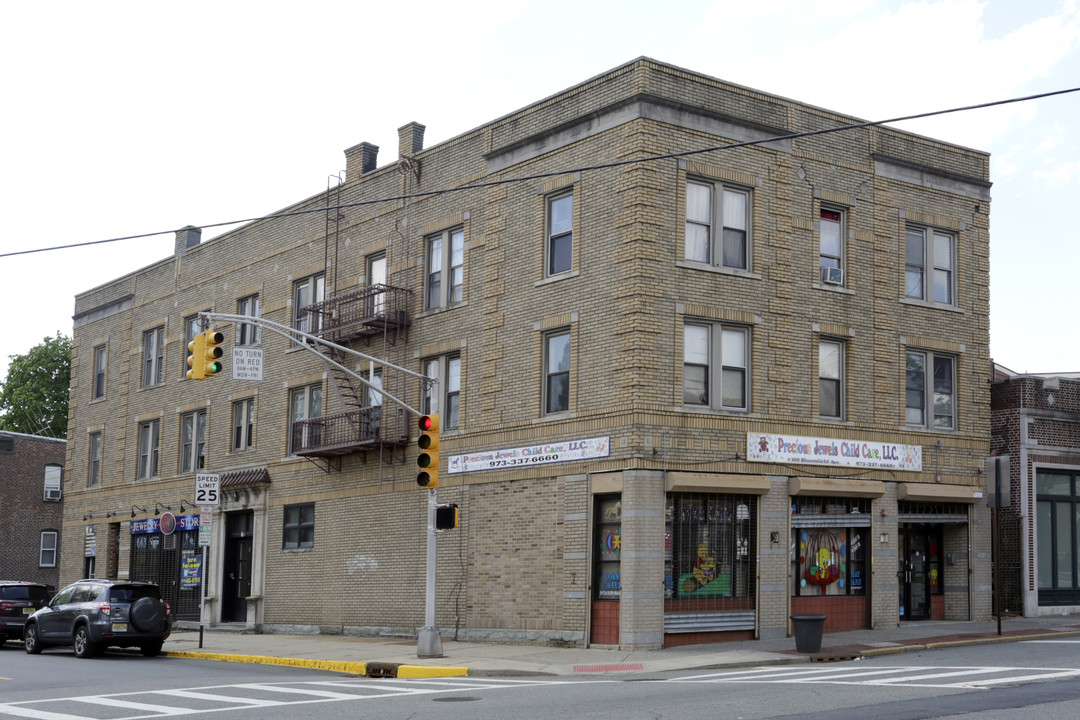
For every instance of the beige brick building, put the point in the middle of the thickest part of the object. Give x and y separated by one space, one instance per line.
696 373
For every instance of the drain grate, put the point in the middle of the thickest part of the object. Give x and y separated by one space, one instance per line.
832 658
382 670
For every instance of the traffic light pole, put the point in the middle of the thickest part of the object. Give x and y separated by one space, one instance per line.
428 641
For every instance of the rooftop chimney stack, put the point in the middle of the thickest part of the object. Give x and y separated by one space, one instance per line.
366 154
187 238
410 139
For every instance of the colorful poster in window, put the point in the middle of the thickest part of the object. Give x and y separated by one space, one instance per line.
190 570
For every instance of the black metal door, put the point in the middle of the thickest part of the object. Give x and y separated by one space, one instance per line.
915 572
236 570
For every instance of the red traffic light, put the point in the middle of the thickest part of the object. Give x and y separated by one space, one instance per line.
426 423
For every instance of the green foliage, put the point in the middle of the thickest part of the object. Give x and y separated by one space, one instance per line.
34 397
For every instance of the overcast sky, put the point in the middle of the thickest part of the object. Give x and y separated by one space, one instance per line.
122 118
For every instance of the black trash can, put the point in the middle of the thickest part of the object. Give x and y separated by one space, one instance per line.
808 630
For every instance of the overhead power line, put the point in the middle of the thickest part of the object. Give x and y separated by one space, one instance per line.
539 176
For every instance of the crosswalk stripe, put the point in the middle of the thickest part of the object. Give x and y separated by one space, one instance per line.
1024 678
114 702
195 695
299 691
19 711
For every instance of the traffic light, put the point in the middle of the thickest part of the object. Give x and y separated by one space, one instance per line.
446 516
428 459
196 351
212 350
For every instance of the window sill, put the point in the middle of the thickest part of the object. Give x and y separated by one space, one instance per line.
833 288
938 431
718 269
298 550
932 305
727 412
555 417
442 309
96 401
835 421
556 278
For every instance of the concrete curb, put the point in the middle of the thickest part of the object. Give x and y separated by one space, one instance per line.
343 666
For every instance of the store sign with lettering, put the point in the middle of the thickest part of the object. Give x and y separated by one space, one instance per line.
587 449
153 525
796 449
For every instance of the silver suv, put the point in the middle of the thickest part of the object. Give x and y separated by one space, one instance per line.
91 615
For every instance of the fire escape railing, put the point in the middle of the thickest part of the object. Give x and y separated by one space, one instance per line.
362 312
347 432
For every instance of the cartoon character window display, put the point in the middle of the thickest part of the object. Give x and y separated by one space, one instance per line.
822 558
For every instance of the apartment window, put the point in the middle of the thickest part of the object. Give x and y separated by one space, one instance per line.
53 475
298 528
153 357
716 356
447 370
930 265
307 292
47 557
243 424
446 268
193 441
376 275
831 379
717 225
560 234
931 390
557 372
100 359
148 449
305 403
93 470
248 333
830 257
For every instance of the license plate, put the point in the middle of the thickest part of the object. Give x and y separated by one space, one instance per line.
119 627
28 611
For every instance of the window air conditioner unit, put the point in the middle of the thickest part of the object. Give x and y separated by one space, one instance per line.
52 494
832 276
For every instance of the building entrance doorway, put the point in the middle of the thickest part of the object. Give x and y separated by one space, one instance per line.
236 570
919 568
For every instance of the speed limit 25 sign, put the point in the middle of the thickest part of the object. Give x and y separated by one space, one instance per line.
207 489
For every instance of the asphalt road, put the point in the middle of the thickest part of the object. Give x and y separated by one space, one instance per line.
1019 680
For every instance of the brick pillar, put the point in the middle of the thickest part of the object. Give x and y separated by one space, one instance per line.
641 567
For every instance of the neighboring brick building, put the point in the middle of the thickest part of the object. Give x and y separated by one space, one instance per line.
683 395
1036 425
31 507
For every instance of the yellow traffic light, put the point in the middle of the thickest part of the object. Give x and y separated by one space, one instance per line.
196 353
428 459
212 351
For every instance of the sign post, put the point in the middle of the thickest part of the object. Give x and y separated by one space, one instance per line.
207 496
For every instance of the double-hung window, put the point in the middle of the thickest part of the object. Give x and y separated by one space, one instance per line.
557 372
305 403
100 361
243 424
298 527
148 449
153 357
445 396
53 477
931 390
47 556
716 356
93 470
831 379
445 268
560 234
306 292
247 333
717 225
831 247
193 441
930 265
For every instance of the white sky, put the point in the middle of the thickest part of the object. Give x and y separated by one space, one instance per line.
121 118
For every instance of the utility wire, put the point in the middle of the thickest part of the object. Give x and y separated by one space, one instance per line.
539 176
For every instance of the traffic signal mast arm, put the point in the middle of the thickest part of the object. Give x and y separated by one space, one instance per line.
296 336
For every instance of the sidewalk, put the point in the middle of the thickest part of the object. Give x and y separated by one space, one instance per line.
396 657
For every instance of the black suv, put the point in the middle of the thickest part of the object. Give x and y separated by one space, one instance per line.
94 614
17 600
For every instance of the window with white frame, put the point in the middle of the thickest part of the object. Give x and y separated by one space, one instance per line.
716 356
831 253
931 390
308 291
298 527
557 372
193 441
831 378
243 424
717 224
53 477
148 449
93 470
445 396
100 360
376 275
153 352
445 268
930 265
47 556
248 333
559 249
305 403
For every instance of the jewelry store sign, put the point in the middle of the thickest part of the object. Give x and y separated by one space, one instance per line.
795 449
587 449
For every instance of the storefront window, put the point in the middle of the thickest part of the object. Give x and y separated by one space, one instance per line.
828 548
709 553
608 548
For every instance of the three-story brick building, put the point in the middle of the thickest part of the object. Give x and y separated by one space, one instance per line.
696 372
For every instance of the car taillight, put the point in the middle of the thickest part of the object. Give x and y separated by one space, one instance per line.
168 610
105 608
6 606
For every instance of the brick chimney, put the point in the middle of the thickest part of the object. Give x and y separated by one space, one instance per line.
187 238
410 139
360 160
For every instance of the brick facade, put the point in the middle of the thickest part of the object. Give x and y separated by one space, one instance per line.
520 566
24 512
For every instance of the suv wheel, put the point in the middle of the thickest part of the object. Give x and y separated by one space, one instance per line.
151 649
84 647
31 641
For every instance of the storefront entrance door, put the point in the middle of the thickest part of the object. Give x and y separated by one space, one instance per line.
918 557
236 582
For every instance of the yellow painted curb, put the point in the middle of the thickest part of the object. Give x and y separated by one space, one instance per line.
430 671
353 668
